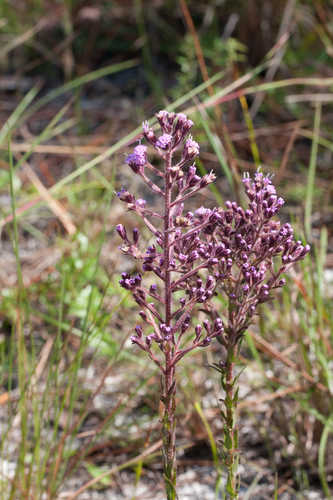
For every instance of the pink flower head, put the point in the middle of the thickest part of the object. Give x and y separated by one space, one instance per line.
164 141
138 159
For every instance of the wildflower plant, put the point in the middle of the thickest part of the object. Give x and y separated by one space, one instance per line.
177 259
255 251
193 256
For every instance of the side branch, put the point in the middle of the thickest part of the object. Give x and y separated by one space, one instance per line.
189 274
151 184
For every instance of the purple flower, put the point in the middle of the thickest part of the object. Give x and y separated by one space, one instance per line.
140 203
166 120
191 149
121 231
125 196
149 133
183 123
164 141
202 212
138 159
138 330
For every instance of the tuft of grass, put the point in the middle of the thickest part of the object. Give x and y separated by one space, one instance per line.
312 170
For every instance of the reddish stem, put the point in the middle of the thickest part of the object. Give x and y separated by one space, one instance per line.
169 386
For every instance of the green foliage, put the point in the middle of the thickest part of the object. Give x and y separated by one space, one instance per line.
217 52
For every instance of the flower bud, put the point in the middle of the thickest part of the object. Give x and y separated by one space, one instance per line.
206 324
149 340
143 315
191 149
125 196
206 342
149 133
121 231
136 235
166 120
218 325
198 330
139 331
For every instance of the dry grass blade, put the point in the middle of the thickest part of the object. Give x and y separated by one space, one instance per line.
20 210
283 36
197 46
44 356
287 152
19 40
293 99
156 446
230 93
267 347
55 149
280 393
268 131
53 204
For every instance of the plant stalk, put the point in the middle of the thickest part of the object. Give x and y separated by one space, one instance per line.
169 435
229 381
169 383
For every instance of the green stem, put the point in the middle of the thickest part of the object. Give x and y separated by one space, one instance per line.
230 452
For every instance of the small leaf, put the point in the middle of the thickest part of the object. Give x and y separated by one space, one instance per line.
236 438
235 398
229 487
228 441
96 471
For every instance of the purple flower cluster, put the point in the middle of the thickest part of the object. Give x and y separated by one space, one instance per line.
175 127
237 248
179 255
252 252
192 256
177 258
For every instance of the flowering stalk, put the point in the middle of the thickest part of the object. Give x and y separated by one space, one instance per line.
177 257
256 250
241 253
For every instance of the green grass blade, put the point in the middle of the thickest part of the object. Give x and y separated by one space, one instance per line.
194 92
212 101
17 113
151 74
23 375
212 187
208 429
47 133
328 427
250 127
217 146
95 161
312 171
79 82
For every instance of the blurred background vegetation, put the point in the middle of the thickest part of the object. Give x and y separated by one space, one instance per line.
76 399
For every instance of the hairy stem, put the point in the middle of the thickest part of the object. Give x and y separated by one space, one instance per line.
169 433
167 248
169 385
230 452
